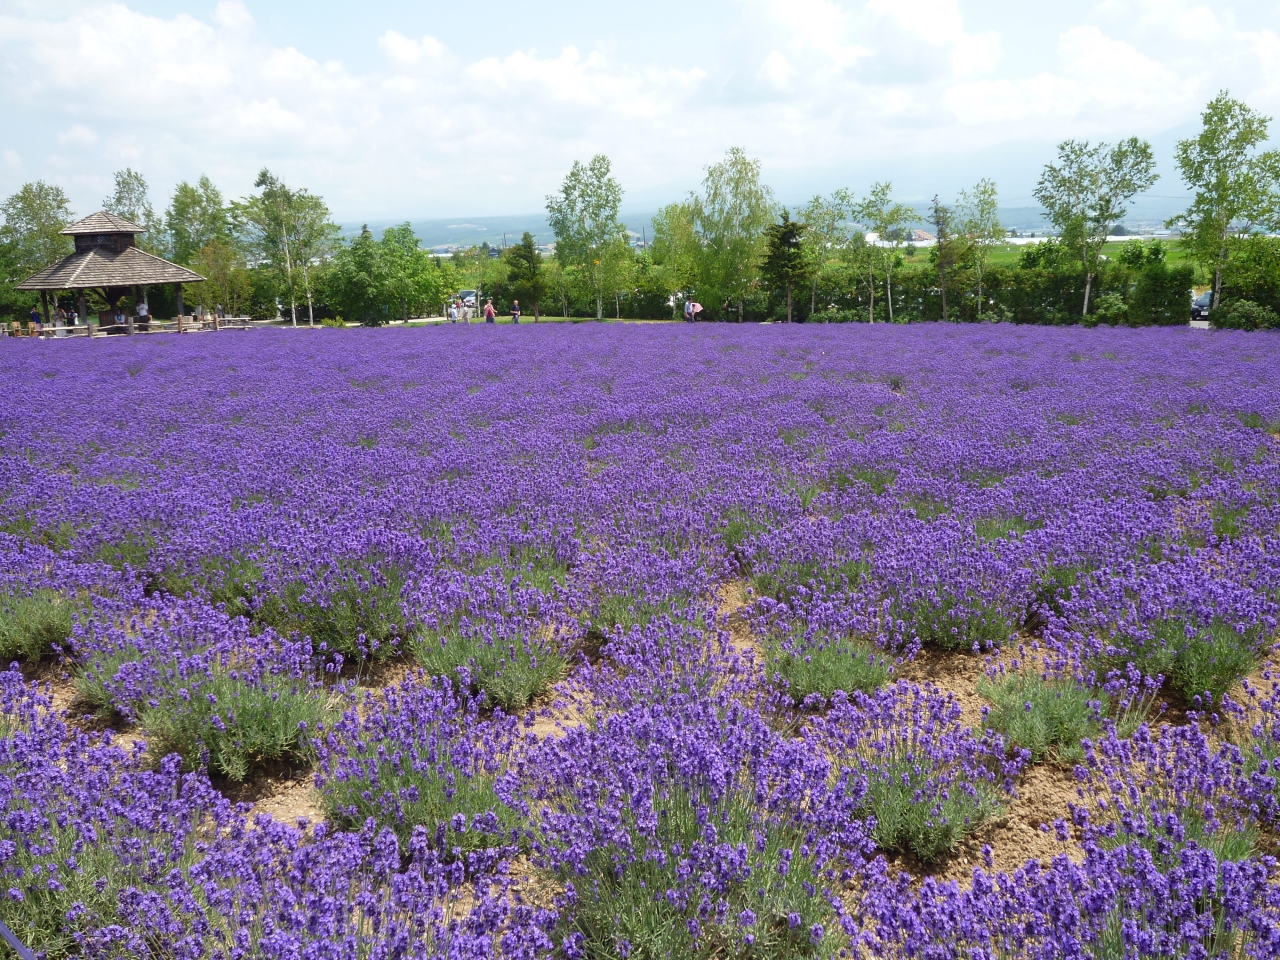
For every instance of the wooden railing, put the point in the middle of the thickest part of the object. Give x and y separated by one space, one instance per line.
135 327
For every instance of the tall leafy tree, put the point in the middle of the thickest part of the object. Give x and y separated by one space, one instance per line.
1237 186
413 281
731 216
829 221
677 247
228 283
526 274
584 216
33 220
980 224
357 282
786 261
131 199
30 239
888 220
290 232
1085 192
196 218
949 249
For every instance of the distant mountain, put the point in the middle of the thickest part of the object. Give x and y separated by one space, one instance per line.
1145 214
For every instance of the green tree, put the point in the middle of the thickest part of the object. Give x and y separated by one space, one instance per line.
1236 186
526 274
677 248
584 216
413 281
731 217
290 232
196 218
980 224
881 216
131 199
357 281
30 241
828 235
786 263
1085 192
948 249
31 237
228 283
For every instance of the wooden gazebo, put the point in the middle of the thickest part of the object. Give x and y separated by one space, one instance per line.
107 259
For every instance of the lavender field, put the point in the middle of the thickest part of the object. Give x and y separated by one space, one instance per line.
642 642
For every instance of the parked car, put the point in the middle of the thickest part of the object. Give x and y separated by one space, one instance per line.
468 297
1200 306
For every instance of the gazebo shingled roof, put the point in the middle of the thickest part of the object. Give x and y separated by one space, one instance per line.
106 258
89 269
102 222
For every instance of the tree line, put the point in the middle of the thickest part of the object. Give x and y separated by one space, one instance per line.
732 247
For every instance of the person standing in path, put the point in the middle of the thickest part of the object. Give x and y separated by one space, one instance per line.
515 311
490 315
453 311
688 311
694 310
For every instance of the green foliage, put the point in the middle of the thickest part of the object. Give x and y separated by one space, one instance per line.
781 580
1043 716
622 897
786 263
1252 274
526 280
584 215
1003 527
32 625
1245 315
242 723
419 786
945 622
233 580
510 676
73 871
1235 185
1195 659
360 615
132 551
879 480
913 812
819 666
196 218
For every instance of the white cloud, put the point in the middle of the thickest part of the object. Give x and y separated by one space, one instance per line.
77 135
802 83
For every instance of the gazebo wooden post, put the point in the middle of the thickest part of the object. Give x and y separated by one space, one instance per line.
128 317
44 301
84 313
178 287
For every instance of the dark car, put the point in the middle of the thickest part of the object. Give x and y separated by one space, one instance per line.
1200 306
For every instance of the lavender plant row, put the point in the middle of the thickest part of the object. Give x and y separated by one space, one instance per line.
472 584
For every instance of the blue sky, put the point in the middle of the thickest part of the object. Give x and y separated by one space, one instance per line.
394 109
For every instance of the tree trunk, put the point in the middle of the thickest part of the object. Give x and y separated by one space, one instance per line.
942 280
871 291
888 291
813 300
617 307
536 315
979 294
1088 288
739 311
599 306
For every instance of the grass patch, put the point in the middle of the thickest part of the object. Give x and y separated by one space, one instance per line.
231 581
820 669
1196 660
1003 527
510 676
945 622
132 552
652 904
783 580
417 760
31 626
359 614
878 480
